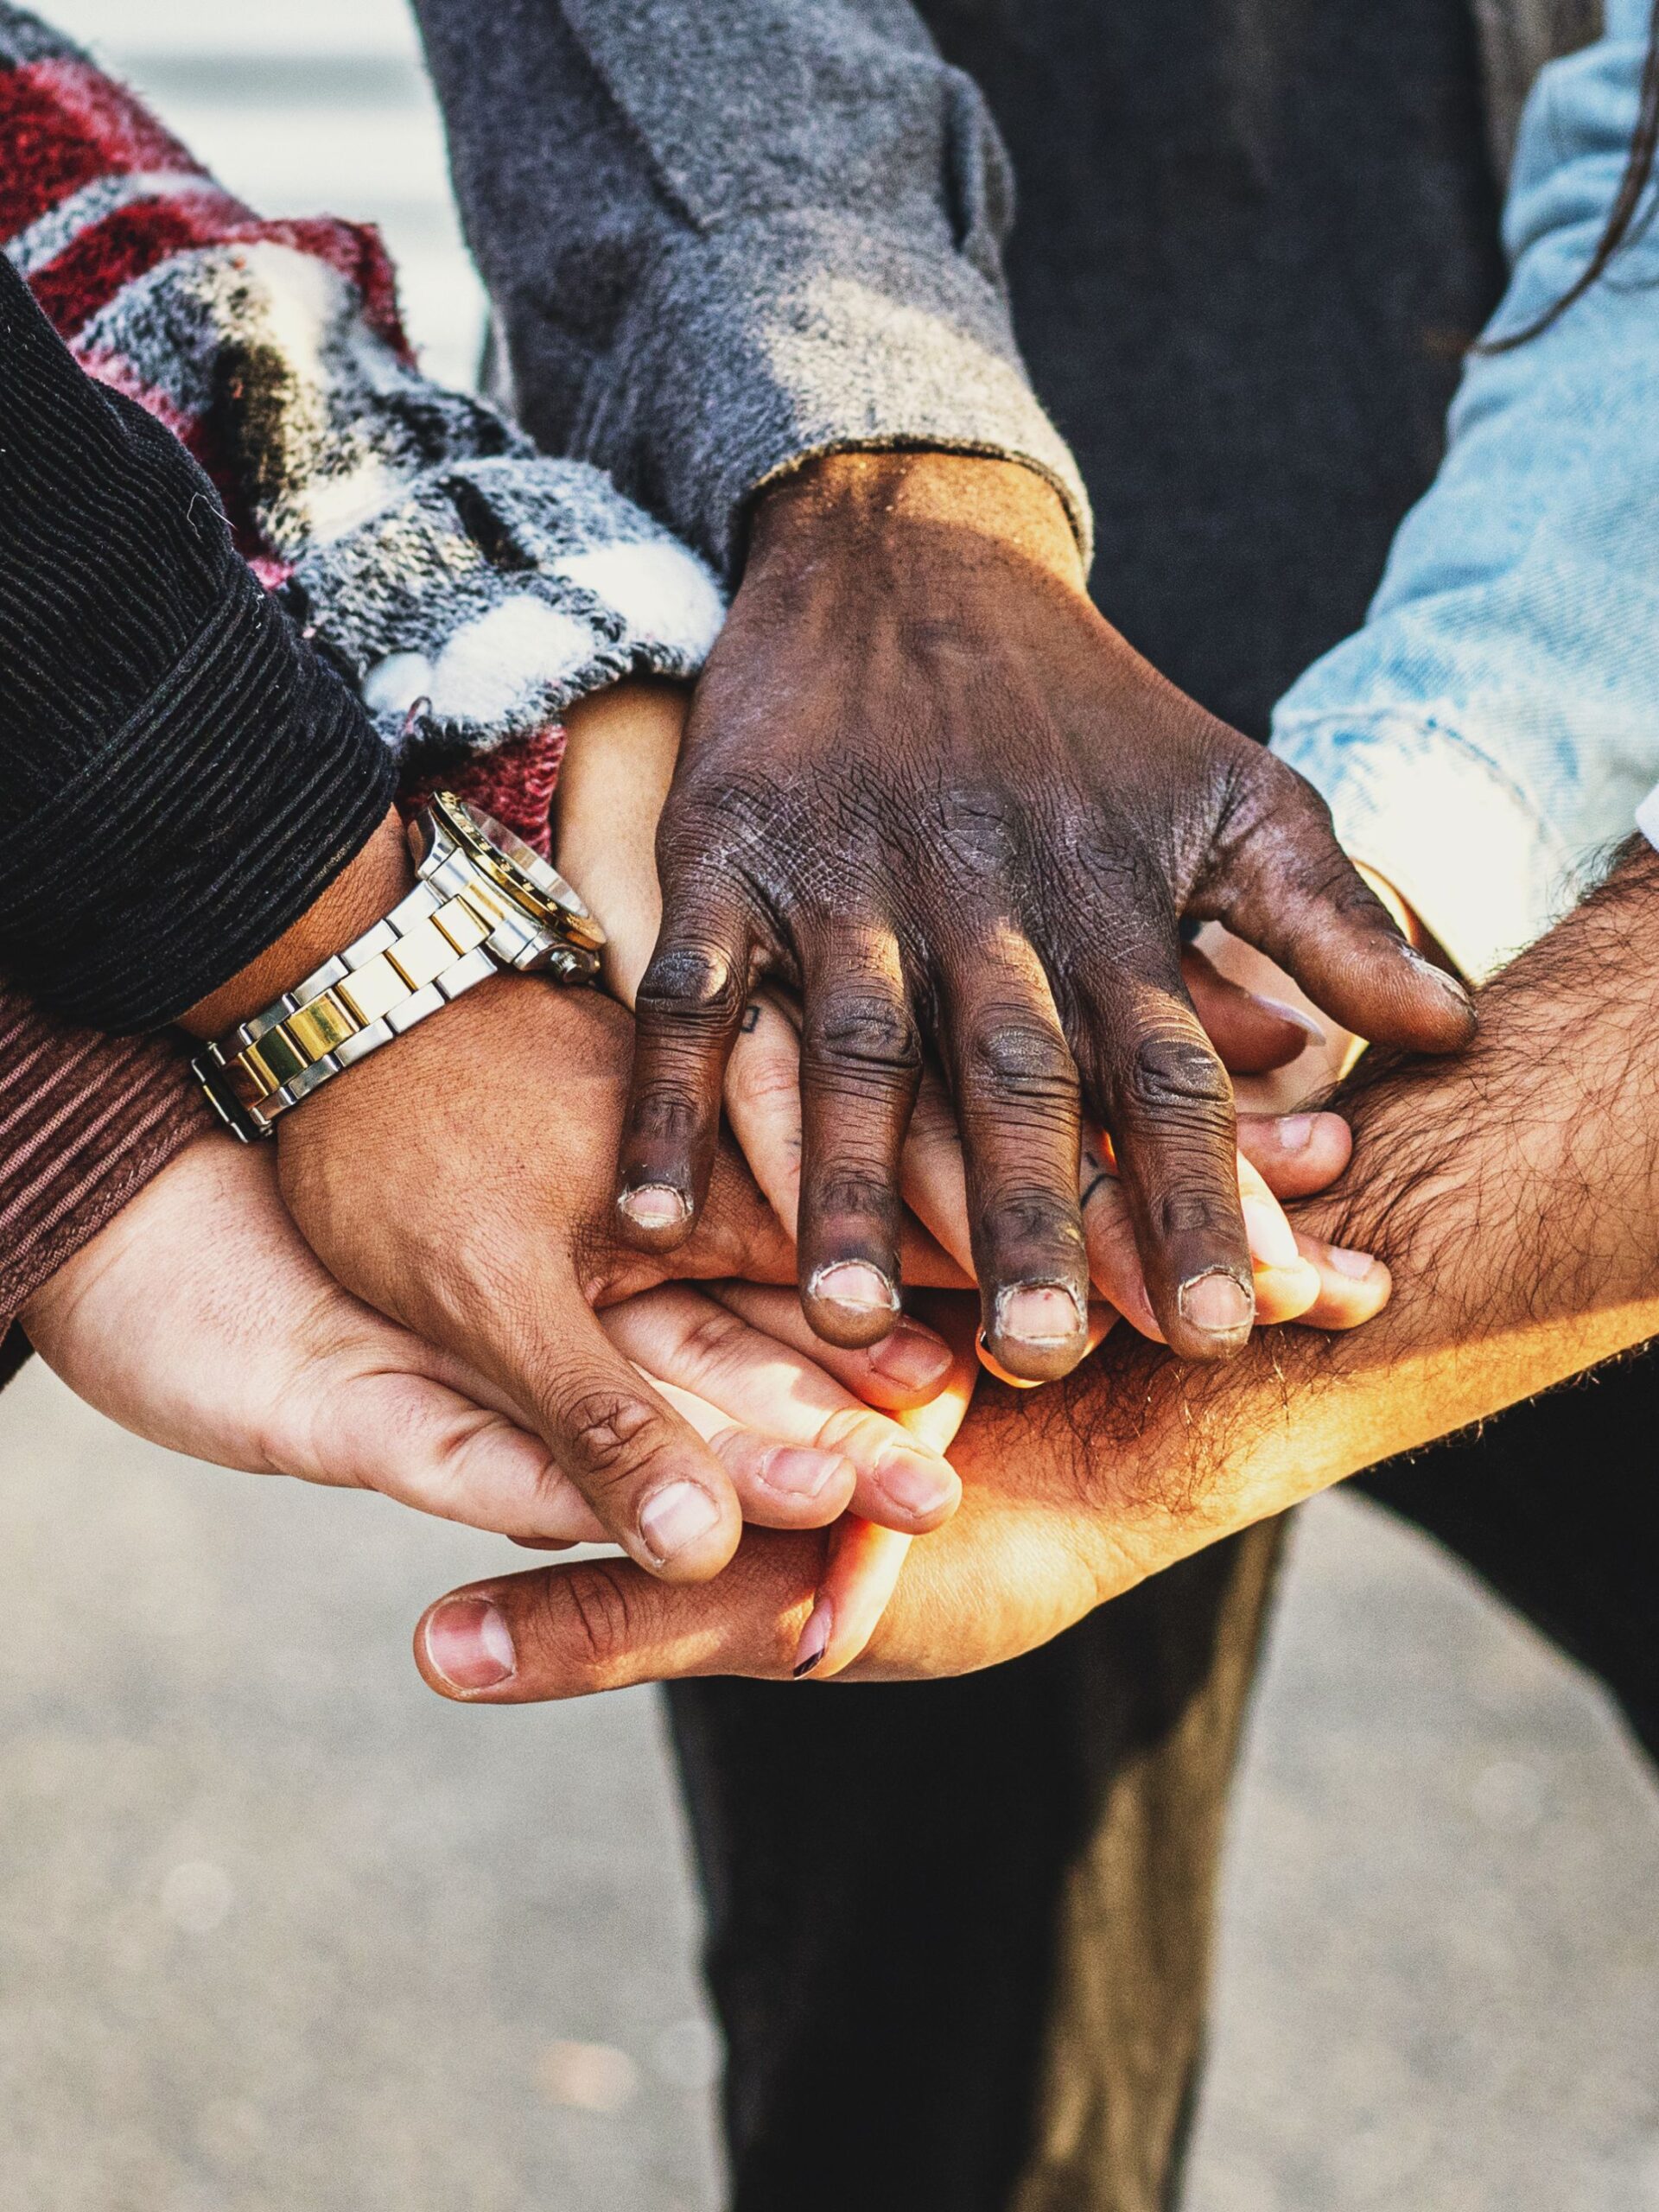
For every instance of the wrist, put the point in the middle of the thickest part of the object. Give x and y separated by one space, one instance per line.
370 883
853 500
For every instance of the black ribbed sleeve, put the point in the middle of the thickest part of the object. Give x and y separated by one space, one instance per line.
180 776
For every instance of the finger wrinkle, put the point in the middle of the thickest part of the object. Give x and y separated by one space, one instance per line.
1168 1072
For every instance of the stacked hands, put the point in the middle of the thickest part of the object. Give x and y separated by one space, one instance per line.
926 843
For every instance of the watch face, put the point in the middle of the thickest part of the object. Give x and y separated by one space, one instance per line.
534 883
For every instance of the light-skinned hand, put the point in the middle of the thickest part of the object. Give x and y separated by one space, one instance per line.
200 1318
1054 1520
461 1183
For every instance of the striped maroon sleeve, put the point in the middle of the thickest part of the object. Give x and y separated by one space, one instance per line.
86 1121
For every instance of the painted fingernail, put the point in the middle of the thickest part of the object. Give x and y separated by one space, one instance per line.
1293 1014
917 1484
1216 1303
1295 1132
856 1285
911 1356
469 1644
1347 1262
655 1206
1038 1313
674 1518
815 1638
1273 1240
802 1472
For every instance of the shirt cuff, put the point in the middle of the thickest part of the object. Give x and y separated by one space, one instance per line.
86 1120
491 593
768 341
1459 841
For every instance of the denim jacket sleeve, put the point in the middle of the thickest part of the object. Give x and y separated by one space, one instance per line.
1490 731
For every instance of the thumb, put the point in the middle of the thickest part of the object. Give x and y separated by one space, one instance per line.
653 1484
1286 886
601 1624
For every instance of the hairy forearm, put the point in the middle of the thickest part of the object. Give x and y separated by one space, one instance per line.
1514 1192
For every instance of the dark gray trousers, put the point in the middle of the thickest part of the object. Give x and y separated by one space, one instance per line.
959 1932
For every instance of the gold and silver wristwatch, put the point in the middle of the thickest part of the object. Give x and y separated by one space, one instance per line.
483 903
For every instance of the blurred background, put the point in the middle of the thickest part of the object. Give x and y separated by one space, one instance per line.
280 1932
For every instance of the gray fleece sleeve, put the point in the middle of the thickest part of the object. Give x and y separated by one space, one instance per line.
724 237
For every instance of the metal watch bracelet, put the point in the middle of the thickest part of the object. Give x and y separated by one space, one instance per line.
453 930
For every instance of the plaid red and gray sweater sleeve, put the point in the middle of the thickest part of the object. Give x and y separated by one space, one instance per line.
466 586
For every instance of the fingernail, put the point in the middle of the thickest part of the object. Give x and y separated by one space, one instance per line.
1273 1240
856 1285
655 1206
674 1518
1295 1131
803 1472
1217 1304
815 1638
993 1365
911 1356
468 1643
1038 1313
1347 1262
917 1484
1447 980
1293 1014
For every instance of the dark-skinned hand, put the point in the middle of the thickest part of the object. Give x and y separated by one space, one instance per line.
926 782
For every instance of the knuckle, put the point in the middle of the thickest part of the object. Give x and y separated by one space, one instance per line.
590 1626
714 1342
1035 1220
666 1112
863 1436
868 1029
1017 1057
1285 790
1208 1215
1283 833
843 1189
1171 1073
689 981
711 809
981 828
1329 880
608 1431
